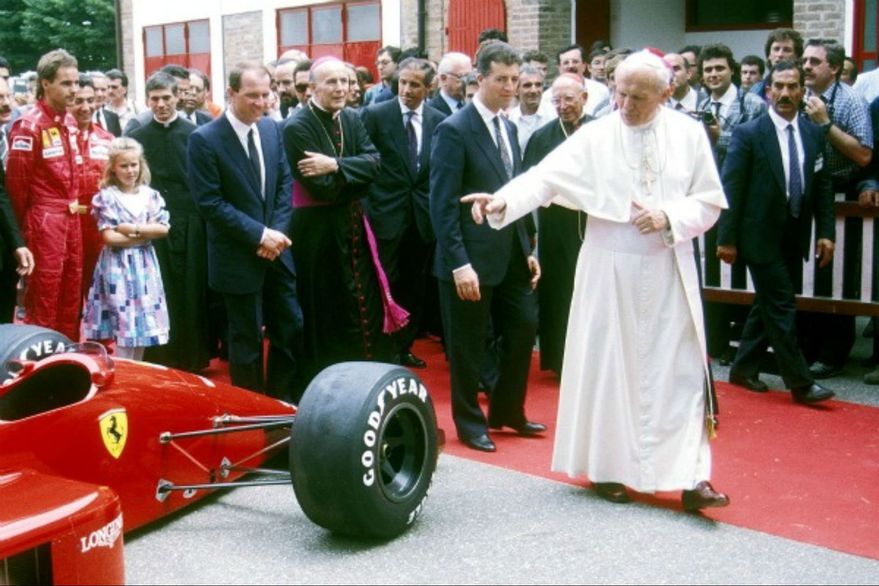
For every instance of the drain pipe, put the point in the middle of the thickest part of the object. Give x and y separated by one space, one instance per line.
422 25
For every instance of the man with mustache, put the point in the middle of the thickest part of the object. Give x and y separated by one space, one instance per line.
776 180
845 118
402 131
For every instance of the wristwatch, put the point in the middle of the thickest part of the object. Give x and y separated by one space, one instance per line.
826 126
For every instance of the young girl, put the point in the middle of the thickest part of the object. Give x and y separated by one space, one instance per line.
126 300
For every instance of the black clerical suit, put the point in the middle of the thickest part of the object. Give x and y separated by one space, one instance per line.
183 254
466 159
258 292
772 238
398 206
561 233
338 284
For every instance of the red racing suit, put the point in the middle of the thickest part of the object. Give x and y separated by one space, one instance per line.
94 148
43 179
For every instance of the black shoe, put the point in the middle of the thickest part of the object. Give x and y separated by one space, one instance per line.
813 393
702 497
820 370
752 383
527 428
612 491
412 361
482 443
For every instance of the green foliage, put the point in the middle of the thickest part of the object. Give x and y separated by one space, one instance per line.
85 28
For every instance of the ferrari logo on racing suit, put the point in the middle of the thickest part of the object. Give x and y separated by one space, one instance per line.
114 431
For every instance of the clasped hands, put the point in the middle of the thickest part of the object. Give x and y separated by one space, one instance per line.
273 244
317 165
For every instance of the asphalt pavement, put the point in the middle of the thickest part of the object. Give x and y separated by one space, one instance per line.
487 525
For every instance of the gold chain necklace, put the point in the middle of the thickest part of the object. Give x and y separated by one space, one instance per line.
320 123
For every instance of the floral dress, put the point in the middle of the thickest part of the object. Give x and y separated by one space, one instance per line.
126 300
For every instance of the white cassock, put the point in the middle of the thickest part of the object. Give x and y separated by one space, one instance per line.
632 405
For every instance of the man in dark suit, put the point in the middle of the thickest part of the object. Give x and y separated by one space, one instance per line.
483 273
398 204
776 181
453 67
241 182
103 117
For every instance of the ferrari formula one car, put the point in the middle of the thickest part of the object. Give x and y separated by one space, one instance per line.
92 447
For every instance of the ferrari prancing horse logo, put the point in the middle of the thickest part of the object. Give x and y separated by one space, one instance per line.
114 431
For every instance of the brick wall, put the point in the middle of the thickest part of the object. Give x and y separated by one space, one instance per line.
531 24
820 19
242 39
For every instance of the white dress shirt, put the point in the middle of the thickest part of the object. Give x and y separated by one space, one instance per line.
417 120
781 131
241 130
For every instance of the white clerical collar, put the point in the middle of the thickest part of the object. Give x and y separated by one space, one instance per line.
404 108
782 123
168 123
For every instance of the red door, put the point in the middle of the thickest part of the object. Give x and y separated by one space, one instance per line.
865 27
468 18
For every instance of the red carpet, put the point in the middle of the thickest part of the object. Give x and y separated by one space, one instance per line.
807 474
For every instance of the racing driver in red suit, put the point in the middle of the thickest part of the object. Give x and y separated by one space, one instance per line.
94 148
42 178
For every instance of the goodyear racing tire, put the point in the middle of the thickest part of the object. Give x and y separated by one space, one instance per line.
26 342
363 449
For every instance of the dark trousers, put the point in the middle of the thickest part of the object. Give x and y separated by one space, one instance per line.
512 308
8 292
772 319
276 308
406 261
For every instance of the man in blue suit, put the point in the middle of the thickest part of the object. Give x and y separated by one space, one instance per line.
484 274
241 182
776 181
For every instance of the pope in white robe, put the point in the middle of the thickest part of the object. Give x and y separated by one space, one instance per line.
632 410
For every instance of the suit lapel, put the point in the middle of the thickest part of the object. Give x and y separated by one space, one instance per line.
773 151
238 155
399 134
428 124
486 143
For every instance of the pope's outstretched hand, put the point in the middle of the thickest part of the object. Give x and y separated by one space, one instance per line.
483 205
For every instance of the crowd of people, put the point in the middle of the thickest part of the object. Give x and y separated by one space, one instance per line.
342 219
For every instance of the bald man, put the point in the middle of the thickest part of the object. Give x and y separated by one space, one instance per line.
333 163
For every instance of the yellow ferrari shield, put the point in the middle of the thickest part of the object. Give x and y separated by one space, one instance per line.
114 431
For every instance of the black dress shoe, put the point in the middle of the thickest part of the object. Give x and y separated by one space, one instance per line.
482 443
703 497
412 361
813 393
612 491
527 428
821 370
727 358
752 383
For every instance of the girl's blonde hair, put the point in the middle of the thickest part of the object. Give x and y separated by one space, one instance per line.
121 146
